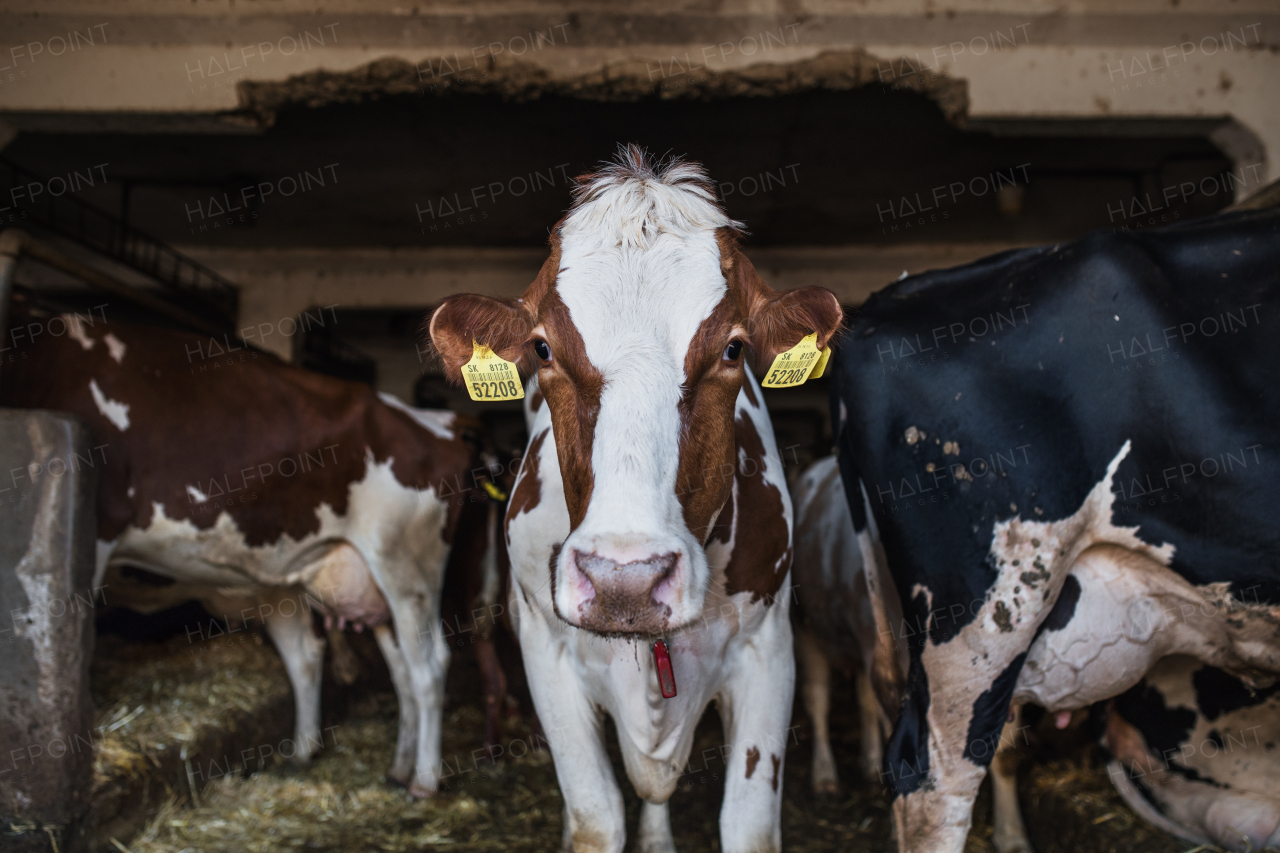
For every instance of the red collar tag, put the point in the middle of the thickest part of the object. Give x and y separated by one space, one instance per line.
666 678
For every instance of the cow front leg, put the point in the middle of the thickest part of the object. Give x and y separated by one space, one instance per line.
755 708
303 655
594 816
655 829
426 655
595 820
407 737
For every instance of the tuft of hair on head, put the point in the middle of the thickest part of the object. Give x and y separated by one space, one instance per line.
632 163
636 197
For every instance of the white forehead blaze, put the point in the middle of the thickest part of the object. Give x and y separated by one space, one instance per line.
639 272
638 310
637 313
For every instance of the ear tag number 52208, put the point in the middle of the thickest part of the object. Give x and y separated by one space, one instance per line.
793 367
489 376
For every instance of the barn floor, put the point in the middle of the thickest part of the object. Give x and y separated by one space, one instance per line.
162 707
342 803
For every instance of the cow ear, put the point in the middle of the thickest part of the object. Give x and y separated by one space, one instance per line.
502 324
778 320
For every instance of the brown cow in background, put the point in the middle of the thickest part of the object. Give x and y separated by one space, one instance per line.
252 482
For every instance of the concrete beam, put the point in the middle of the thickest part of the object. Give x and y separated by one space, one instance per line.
222 67
1134 59
278 284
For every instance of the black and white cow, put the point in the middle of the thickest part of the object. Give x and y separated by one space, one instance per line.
1197 753
1069 453
836 628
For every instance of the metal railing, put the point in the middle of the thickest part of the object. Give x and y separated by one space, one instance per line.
320 350
187 282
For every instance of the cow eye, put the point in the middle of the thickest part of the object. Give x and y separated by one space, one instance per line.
543 351
733 350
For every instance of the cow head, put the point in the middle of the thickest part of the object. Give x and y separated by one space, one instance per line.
638 327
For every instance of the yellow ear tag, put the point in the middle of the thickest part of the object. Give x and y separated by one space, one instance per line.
491 377
792 368
823 357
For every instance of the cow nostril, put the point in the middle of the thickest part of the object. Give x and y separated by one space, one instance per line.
599 569
592 565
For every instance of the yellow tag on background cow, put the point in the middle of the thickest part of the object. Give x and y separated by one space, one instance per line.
491 377
823 357
793 367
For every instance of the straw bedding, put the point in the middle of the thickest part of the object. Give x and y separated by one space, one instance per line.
163 705
343 803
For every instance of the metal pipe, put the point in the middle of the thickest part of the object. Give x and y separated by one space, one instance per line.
15 242
9 249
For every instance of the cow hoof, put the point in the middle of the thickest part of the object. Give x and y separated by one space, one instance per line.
396 781
659 847
1017 845
418 791
346 671
300 761
826 787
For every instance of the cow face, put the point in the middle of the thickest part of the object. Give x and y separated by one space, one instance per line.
638 327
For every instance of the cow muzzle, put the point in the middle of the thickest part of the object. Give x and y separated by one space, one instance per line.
609 596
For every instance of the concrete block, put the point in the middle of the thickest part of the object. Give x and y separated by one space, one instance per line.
47 544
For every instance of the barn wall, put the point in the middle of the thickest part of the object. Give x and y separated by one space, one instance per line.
169 57
223 71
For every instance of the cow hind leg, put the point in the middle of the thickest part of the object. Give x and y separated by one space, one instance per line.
344 663
817 701
870 723
655 829
303 655
1197 811
407 738
1010 834
495 690
426 655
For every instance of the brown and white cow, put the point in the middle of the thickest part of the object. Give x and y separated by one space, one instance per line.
252 483
651 503
834 624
